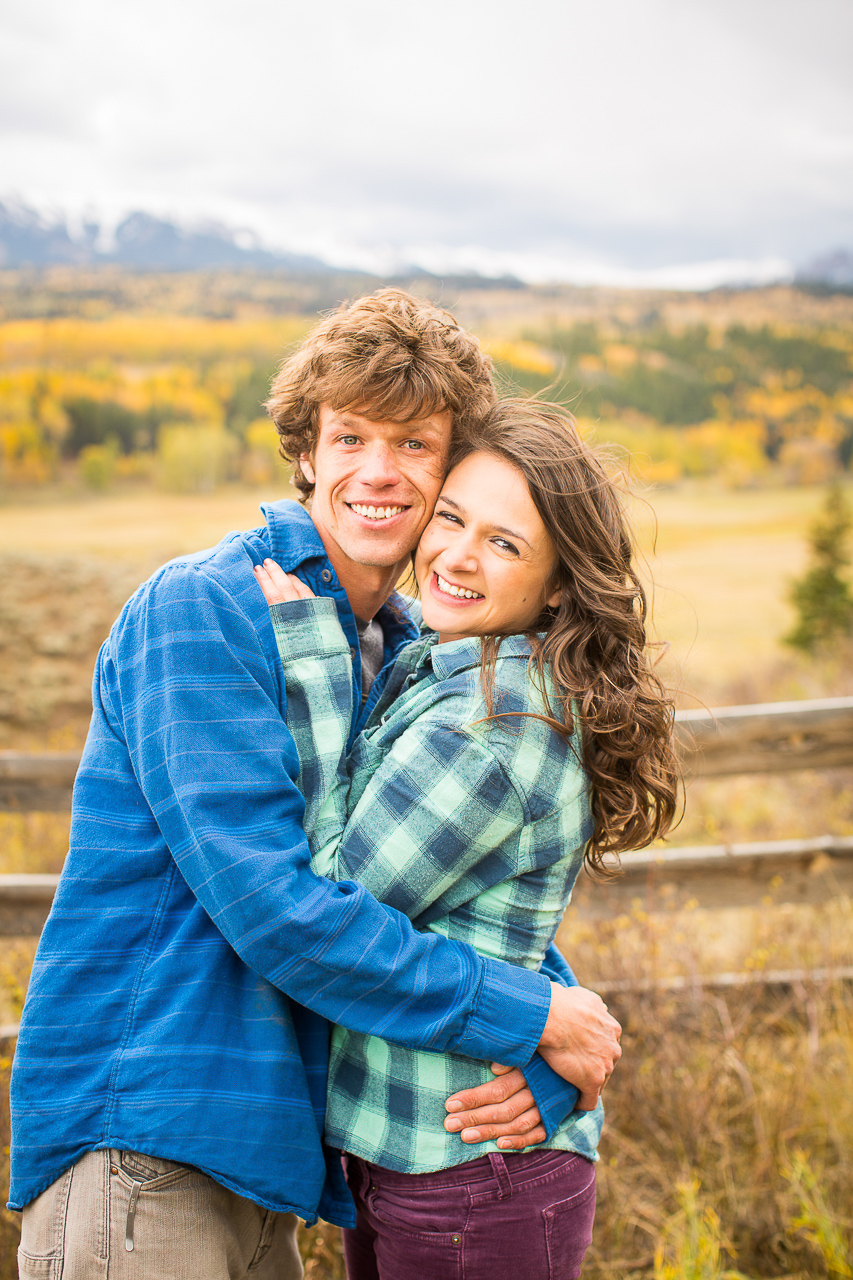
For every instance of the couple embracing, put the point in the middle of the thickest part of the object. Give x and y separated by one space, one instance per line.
297 806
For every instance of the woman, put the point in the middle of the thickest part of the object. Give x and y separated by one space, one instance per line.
524 733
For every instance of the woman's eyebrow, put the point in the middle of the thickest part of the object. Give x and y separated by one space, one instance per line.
498 528
510 533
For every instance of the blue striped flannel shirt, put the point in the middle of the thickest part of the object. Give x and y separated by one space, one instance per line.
176 997
473 828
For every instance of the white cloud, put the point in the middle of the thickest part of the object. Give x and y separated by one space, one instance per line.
626 136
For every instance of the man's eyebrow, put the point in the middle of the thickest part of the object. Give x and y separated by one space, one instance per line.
419 426
498 528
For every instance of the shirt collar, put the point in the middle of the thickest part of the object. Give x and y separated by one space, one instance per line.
460 655
293 534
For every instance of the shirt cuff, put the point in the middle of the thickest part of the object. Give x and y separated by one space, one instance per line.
509 1015
307 628
554 1096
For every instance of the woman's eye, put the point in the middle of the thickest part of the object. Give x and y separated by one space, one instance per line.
505 546
448 515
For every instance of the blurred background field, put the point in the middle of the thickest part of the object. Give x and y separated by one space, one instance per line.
131 430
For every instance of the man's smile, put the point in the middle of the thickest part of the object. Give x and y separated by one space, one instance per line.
370 512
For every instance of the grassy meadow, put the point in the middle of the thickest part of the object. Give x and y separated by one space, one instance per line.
729 1144
717 560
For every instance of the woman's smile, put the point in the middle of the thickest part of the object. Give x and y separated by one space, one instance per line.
456 592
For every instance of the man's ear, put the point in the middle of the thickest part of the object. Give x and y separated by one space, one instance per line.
307 469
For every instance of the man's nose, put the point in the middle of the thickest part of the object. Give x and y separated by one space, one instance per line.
379 467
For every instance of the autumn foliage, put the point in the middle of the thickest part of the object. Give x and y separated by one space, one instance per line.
134 394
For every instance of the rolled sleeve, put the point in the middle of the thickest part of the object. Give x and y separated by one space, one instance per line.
531 993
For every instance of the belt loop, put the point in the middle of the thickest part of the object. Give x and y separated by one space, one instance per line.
499 1169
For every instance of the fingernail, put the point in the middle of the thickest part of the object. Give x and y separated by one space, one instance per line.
453 1104
505 1144
453 1125
470 1135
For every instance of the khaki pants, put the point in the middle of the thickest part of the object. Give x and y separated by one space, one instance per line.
181 1225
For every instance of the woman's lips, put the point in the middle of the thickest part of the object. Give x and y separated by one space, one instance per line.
448 597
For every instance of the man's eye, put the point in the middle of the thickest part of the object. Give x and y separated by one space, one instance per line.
348 439
414 445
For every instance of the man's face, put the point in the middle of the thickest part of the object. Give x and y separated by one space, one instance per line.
376 484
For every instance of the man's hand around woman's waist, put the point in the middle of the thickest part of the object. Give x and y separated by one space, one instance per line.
581 1041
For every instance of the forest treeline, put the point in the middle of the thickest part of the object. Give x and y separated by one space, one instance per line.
176 400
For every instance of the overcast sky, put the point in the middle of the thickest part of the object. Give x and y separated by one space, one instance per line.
676 141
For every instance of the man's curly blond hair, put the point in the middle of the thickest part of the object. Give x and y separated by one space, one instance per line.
389 356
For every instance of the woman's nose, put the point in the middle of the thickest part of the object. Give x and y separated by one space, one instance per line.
460 556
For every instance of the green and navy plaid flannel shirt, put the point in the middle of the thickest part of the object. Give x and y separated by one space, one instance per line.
473 829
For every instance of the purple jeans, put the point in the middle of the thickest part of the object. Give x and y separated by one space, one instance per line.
524 1216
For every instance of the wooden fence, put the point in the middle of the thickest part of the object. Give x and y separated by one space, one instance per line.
769 738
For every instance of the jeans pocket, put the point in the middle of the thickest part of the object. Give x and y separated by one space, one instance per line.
43 1231
30 1268
153 1172
568 1231
434 1218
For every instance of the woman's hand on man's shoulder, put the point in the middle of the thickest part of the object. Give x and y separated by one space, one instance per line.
280 587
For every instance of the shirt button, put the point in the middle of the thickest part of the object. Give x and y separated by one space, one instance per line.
326 575
352 651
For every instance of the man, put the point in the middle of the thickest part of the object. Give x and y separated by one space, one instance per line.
168 1090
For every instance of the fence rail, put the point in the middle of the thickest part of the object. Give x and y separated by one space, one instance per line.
768 738
773 737
41 783
723 875
730 875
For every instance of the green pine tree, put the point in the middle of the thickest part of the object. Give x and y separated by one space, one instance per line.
822 596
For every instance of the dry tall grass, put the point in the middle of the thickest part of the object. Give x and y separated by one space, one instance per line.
729 1135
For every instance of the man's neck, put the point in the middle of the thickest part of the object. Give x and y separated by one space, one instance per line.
367 587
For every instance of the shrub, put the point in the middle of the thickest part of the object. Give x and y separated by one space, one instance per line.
262 461
194 459
93 422
822 596
97 465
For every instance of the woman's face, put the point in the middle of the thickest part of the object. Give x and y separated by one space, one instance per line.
485 560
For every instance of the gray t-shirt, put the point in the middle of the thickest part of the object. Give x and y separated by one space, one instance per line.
371 641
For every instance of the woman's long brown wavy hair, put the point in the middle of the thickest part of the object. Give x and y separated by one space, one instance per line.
594 641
